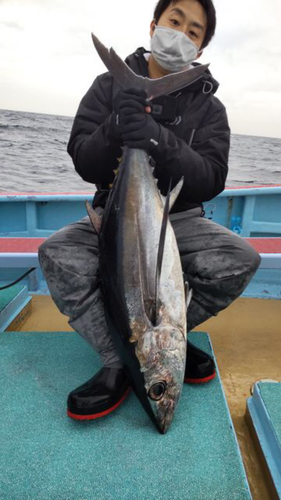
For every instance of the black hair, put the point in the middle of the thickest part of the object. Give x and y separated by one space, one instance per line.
207 5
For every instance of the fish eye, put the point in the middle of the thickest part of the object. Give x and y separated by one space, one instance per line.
157 391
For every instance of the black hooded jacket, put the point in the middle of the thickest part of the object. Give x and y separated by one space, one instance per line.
195 145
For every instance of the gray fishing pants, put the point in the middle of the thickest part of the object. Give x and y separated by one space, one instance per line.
217 263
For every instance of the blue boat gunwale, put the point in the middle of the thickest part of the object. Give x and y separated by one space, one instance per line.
250 211
57 196
39 215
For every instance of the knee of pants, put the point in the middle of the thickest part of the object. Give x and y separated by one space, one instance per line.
246 259
255 259
219 264
51 252
44 251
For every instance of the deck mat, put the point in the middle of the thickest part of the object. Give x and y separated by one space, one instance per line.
47 456
271 396
6 296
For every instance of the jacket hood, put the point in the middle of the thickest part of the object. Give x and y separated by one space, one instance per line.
206 83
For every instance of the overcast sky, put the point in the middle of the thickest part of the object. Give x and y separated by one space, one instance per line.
47 60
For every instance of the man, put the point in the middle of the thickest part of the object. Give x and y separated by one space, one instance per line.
187 135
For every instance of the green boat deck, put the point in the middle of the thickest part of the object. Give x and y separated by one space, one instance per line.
46 455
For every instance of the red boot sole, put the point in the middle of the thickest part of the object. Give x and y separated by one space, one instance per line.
200 380
102 413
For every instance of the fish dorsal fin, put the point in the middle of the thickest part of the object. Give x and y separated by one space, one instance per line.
153 87
156 308
94 217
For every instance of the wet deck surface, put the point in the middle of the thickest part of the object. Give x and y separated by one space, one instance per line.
247 342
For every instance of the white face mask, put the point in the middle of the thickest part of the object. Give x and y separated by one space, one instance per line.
172 49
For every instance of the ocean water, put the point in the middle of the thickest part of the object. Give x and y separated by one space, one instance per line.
33 156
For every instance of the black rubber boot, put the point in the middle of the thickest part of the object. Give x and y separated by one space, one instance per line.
200 366
98 397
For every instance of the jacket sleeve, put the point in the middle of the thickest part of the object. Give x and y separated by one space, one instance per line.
204 164
93 152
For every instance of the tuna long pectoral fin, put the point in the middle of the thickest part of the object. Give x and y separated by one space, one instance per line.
94 217
156 309
153 87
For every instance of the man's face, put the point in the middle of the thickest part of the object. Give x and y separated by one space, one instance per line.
187 16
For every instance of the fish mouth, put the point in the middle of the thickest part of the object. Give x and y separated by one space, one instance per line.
164 420
163 394
163 428
163 411
162 407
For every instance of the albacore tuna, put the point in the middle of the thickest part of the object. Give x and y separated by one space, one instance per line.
141 273
146 313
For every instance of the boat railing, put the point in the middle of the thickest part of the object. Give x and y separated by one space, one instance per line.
251 212
27 219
